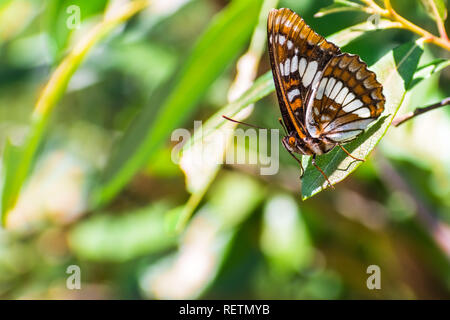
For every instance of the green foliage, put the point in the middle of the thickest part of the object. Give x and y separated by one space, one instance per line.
56 19
224 38
87 176
338 6
436 9
11 159
50 96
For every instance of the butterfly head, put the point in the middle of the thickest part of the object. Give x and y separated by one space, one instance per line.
307 146
293 143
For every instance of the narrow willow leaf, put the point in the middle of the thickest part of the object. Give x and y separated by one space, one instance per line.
217 47
61 13
338 6
427 70
395 71
25 155
11 159
197 177
344 37
436 9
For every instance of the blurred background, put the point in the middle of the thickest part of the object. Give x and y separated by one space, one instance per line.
251 236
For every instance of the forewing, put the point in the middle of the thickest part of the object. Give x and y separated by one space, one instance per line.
298 56
346 100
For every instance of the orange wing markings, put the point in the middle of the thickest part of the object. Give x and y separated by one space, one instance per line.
310 71
276 18
294 45
349 94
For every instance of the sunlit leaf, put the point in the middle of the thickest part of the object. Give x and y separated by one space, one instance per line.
339 6
199 172
436 9
344 37
11 159
14 17
395 71
214 51
427 70
62 16
197 177
50 96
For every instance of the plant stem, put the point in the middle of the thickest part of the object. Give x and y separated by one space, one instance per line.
391 14
401 119
416 29
439 21
375 7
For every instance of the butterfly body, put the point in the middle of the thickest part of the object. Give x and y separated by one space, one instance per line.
327 98
306 146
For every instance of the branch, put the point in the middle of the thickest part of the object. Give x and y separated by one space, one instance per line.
414 28
439 21
389 13
401 119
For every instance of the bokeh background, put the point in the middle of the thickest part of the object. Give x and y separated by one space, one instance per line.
250 236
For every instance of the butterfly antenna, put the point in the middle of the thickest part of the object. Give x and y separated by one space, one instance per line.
282 124
240 122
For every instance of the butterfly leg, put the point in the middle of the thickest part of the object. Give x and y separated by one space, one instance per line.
348 153
299 162
313 161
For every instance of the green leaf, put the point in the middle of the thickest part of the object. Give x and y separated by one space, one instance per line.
338 6
344 37
17 162
25 155
217 47
198 178
194 179
59 13
11 157
395 71
436 9
427 70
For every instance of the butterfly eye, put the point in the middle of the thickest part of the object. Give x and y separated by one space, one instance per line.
292 141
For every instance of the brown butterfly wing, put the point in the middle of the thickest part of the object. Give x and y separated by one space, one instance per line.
345 101
298 56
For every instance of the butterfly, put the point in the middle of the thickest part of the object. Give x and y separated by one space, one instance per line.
327 98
